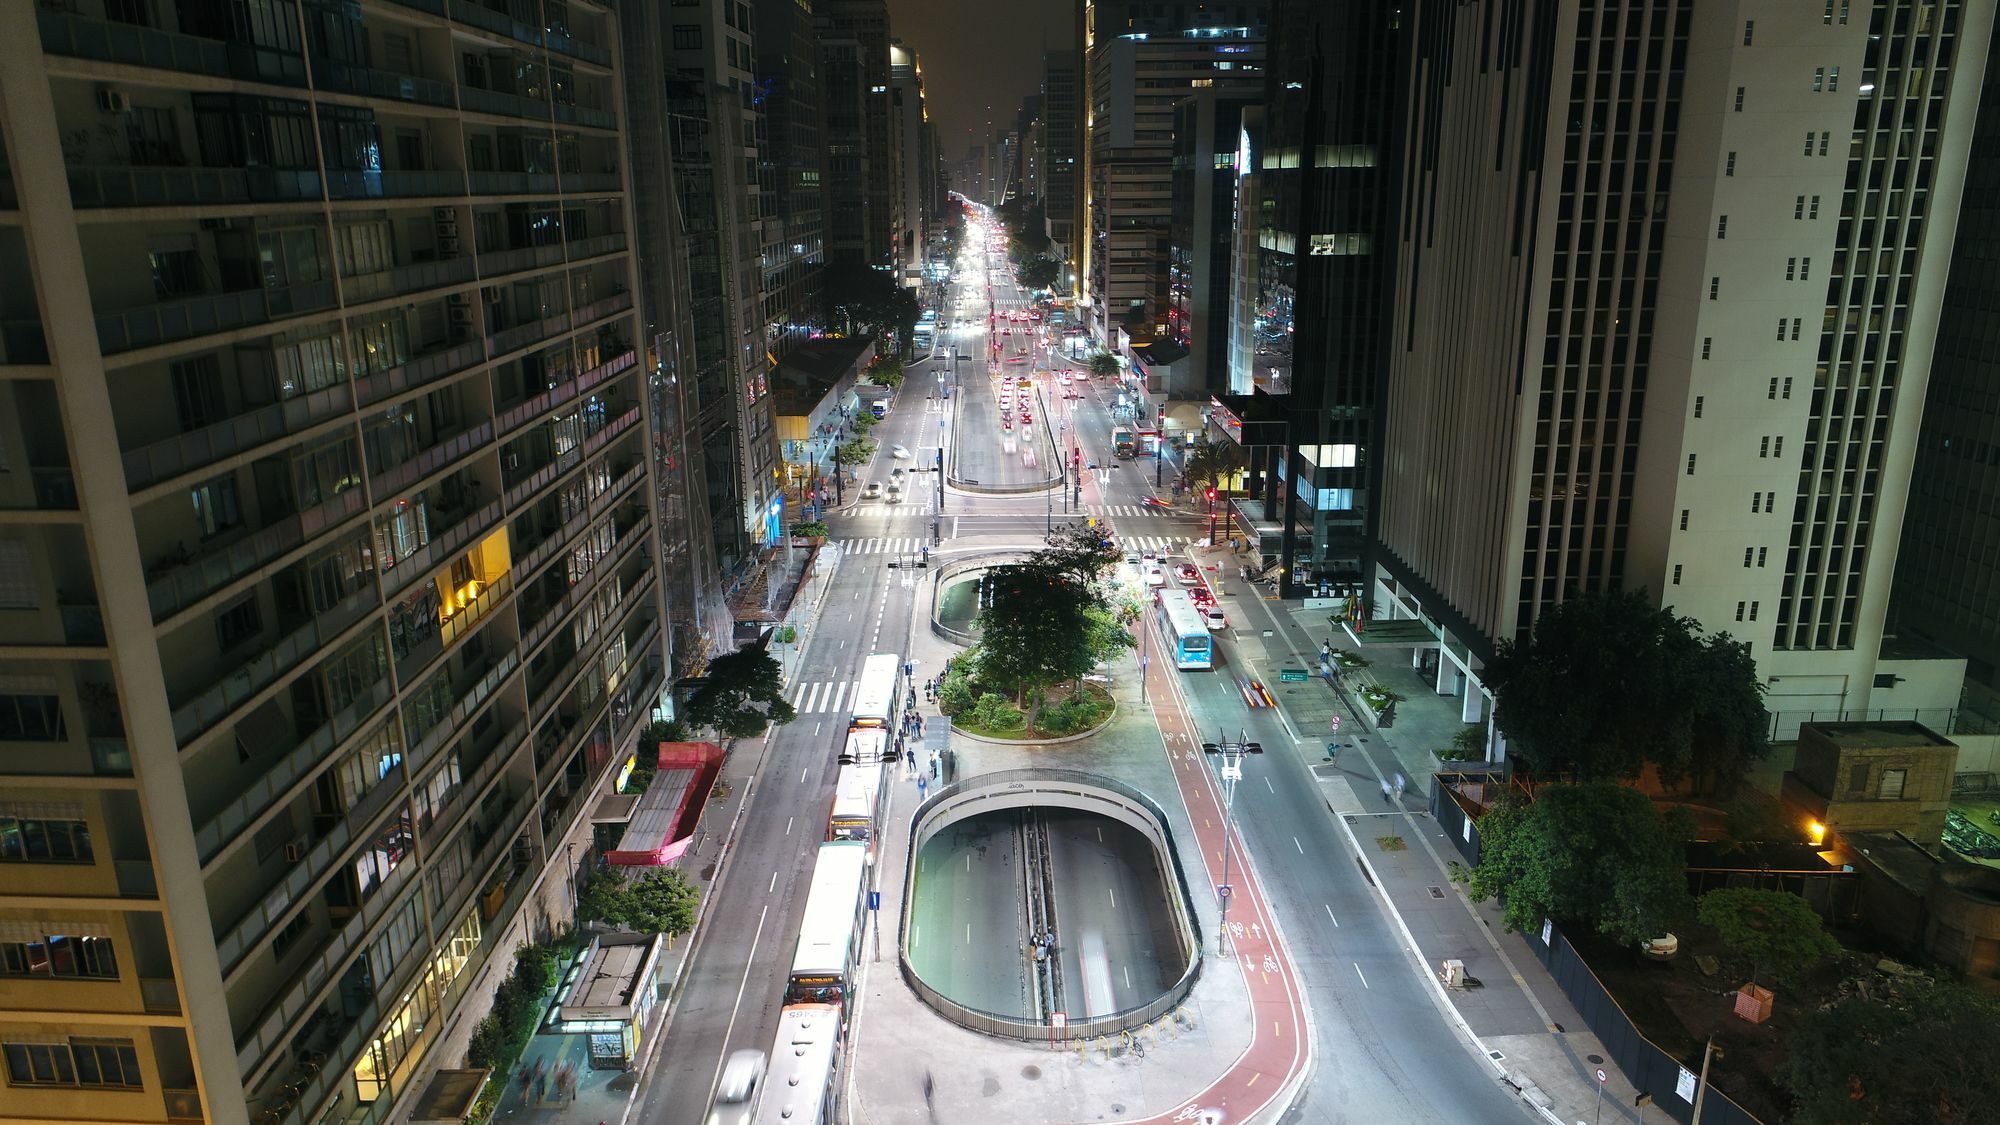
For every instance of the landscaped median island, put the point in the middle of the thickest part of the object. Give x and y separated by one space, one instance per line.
989 714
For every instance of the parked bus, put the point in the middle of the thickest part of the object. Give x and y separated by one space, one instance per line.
864 746
830 937
857 791
804 1068
878 698
1122 443
1182 630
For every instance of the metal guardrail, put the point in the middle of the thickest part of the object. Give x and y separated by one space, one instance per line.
1076 783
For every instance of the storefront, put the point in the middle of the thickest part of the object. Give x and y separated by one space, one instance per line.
608 996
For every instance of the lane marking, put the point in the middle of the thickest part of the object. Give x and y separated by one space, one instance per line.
774 883
802 774
1113 892
788 824
1330 917
749 962
1267 783
1362 975
1296 844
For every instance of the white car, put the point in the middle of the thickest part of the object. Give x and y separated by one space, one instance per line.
1214 619
736 1093
1155 576
873 491
900 452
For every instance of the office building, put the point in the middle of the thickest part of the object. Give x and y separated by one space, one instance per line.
1208 129
1639 344
1060 121
1139 60
330 558
844 100
791 162
910 206
867 23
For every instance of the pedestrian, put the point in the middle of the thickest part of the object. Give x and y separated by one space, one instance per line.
1385 791
935 767
1401 783
541 1086
910 757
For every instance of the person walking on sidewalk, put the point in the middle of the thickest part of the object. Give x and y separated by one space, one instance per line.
1385 791
1401 783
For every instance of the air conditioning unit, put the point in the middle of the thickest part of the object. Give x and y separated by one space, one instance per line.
444 214
113 101
461 314
447 230
448 245
295 851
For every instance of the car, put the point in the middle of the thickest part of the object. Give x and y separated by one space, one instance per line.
1006 425
1188 574
1214 619
1155 577
736 1093
1201 595
1026 382
1072 395
900 452
898 471
895 492
873 491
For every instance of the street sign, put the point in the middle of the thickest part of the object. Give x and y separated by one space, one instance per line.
875 903
1600 1076
1336 722
1222 890
1291 675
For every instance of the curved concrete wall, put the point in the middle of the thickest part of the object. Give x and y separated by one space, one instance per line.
953 479
1070 789
952 570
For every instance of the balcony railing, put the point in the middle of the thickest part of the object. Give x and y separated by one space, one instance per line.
396 478
21 341
469 702
586 115
521 335
419 371
358 183
589 52
347 78
478 15
403 280
493 263
182 1105
443 545
179 454
82 624
602 307
573 182
502 104
512 183
195 580
137 186
517 415
198 316
78 36
275 782
580 248
136 878
489 596
246 678
111 757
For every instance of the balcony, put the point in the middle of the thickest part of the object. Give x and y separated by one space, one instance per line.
601 308
374 183
21 341
441 453
246 678
419 371
81 37
182 1105
581 248
501 104
481 762
277 781
136 878
83 625
163 460
446 542
347 78
528 410
494 263
136 186
588 52
478 687
191 581
485 602
521 335
159 997
585 115
405 280
474 14
574 182
168 321
512 183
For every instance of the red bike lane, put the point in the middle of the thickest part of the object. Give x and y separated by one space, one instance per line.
1280 1046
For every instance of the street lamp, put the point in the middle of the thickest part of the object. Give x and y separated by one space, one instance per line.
1231 754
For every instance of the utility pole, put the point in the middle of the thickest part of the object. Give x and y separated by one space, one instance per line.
1231 754
1701 1084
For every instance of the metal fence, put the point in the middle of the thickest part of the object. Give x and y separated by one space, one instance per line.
1074 783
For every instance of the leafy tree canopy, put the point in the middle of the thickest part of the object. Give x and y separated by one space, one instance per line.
661 901
1039 271
1036 630
1606 683
1596 854
1921 1056
1079 551
1776 930
742 694
1105 364
1210 462
859 298
887 371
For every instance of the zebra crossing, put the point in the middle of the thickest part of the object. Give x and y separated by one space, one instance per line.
822 696
1133 510
892 545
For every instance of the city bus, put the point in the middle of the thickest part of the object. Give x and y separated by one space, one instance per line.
804 1067
1182 631
857 792
1122 443
830 938
864 746
878 698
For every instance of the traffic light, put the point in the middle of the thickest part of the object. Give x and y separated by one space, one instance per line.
1211 495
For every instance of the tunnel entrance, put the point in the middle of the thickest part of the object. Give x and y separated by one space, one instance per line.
996 869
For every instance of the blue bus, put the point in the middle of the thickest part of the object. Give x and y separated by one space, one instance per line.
1183 634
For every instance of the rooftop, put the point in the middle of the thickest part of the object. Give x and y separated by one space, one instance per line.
813 368
1877 736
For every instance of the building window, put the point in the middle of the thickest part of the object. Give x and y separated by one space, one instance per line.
1697 405
1749 31
1778 446
687 37
31 718
25 840
1824 138
1690 464
1791 269
1809 143
1684 512
1739 99
1781 328
1707 342
1885 680
1795 336
1749 553
1805 269
1729 164
59 955
1756 502
1762 553
1714 287
1753 611
1892 784
18 589
1739 611
1788 382
1812 212
1798 207
1832 78
1764 446
1722 226
75 1062
216 509
1773 392
238 623
1819 79
1677 574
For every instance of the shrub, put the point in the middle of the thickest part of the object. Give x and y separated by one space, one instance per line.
955 696
1067 716
994 712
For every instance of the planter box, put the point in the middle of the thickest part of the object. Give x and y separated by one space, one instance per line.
1753 1003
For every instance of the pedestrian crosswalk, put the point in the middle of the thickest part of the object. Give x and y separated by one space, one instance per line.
1154 542
883 545
1134 510
821 696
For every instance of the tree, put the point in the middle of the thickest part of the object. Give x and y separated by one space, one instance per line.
742 694
1210 463
855 452
887 371
1039 272
1596 854
1036 630
661 901
1105 364
1079 551
1875 1059
859 298
1776 930
1606 683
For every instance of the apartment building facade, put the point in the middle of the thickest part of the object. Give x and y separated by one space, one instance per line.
866 22
1058 124
313 672
1639 250
790 172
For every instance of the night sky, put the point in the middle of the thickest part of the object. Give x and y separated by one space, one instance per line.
980 58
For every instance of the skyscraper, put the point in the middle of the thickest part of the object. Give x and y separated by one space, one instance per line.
1639 343
867 23
790 152
330 562
1061 119
844 100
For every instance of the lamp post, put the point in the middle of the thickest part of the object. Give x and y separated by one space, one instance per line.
1231 754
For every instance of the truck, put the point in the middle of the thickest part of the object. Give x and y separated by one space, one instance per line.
1122 443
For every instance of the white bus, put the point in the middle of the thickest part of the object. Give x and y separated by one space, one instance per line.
1182 631
863 746
857 791
804 1067
878 698
830 936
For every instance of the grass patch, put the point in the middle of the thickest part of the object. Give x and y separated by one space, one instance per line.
1391 843
996 717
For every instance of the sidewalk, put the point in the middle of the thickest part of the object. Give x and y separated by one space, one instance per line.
1517 1017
